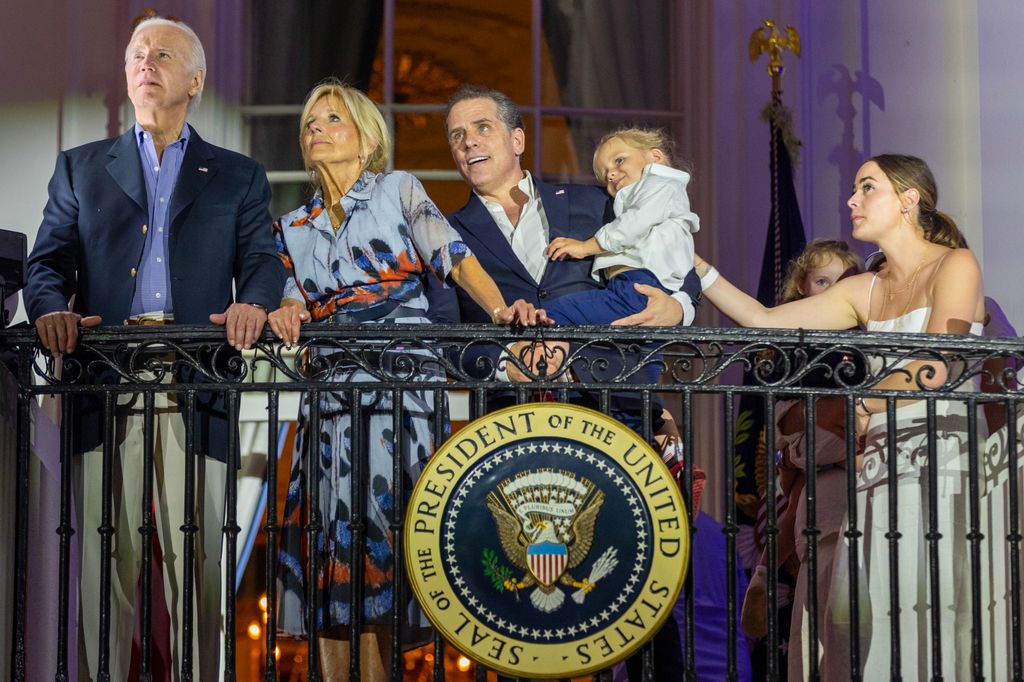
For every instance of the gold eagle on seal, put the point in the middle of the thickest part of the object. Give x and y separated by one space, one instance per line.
545 521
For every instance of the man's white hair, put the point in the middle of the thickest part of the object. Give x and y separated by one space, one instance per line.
198 57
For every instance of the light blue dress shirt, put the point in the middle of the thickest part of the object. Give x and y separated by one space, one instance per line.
153 280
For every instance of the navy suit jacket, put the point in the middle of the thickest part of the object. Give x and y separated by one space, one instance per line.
91 240
575 211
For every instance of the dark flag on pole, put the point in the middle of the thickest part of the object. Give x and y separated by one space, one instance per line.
786 238
757 497
785 241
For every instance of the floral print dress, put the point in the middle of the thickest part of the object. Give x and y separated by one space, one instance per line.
391 236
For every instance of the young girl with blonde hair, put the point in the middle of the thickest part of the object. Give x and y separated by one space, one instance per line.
822 264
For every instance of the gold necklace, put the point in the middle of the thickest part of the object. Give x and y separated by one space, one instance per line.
911 284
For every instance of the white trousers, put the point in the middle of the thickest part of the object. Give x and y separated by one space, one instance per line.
126 542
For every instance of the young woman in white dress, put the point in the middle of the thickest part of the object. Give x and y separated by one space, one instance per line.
930 285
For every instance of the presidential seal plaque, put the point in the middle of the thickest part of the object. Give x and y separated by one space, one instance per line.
546 540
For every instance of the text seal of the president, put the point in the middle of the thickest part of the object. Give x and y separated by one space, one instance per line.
546 540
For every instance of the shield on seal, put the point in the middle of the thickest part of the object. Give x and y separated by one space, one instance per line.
546 561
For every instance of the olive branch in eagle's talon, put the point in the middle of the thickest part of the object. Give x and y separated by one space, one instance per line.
500 576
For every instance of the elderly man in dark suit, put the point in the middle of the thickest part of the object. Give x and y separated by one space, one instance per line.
156 226
508 222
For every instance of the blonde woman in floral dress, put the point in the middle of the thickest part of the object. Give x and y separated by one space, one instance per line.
358 253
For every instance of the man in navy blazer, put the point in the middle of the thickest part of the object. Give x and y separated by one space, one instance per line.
511 217
95 228
508 222
94 233
487 140
156 226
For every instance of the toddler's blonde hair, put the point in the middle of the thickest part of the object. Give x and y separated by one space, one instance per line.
644 139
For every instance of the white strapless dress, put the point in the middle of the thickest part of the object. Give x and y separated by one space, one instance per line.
873 552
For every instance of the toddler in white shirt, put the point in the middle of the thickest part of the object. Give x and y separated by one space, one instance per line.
649 242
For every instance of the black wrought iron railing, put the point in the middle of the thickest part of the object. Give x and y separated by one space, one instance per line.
953 383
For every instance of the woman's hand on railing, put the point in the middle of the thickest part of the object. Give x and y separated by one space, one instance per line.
287 320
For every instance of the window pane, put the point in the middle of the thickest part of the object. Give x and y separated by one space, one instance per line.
449 195
288 196
274 141
298 43
420 142
594 54
560 156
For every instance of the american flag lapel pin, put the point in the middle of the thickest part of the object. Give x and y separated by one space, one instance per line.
203 169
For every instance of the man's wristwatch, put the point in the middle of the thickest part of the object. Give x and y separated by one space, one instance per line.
258 305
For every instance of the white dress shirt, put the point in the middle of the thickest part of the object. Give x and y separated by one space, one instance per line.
528 238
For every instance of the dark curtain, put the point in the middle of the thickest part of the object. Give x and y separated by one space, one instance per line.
608 54
294 46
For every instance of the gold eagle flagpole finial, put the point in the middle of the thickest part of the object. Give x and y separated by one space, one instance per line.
768 38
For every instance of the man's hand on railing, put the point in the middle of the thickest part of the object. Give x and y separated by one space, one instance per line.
242 322
287 320
523 312
58 331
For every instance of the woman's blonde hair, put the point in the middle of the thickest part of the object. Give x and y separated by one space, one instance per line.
816 254
374 139
644 139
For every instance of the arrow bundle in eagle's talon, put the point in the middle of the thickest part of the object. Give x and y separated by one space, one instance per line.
602 567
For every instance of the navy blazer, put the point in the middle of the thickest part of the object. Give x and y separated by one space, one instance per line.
91 241
575 211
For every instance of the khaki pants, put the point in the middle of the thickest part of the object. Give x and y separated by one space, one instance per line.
126 542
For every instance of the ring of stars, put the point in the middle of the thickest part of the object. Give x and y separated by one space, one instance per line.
461 586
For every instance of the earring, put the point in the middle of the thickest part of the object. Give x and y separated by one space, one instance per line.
904 211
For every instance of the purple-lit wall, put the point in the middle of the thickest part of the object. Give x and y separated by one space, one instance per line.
938 80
